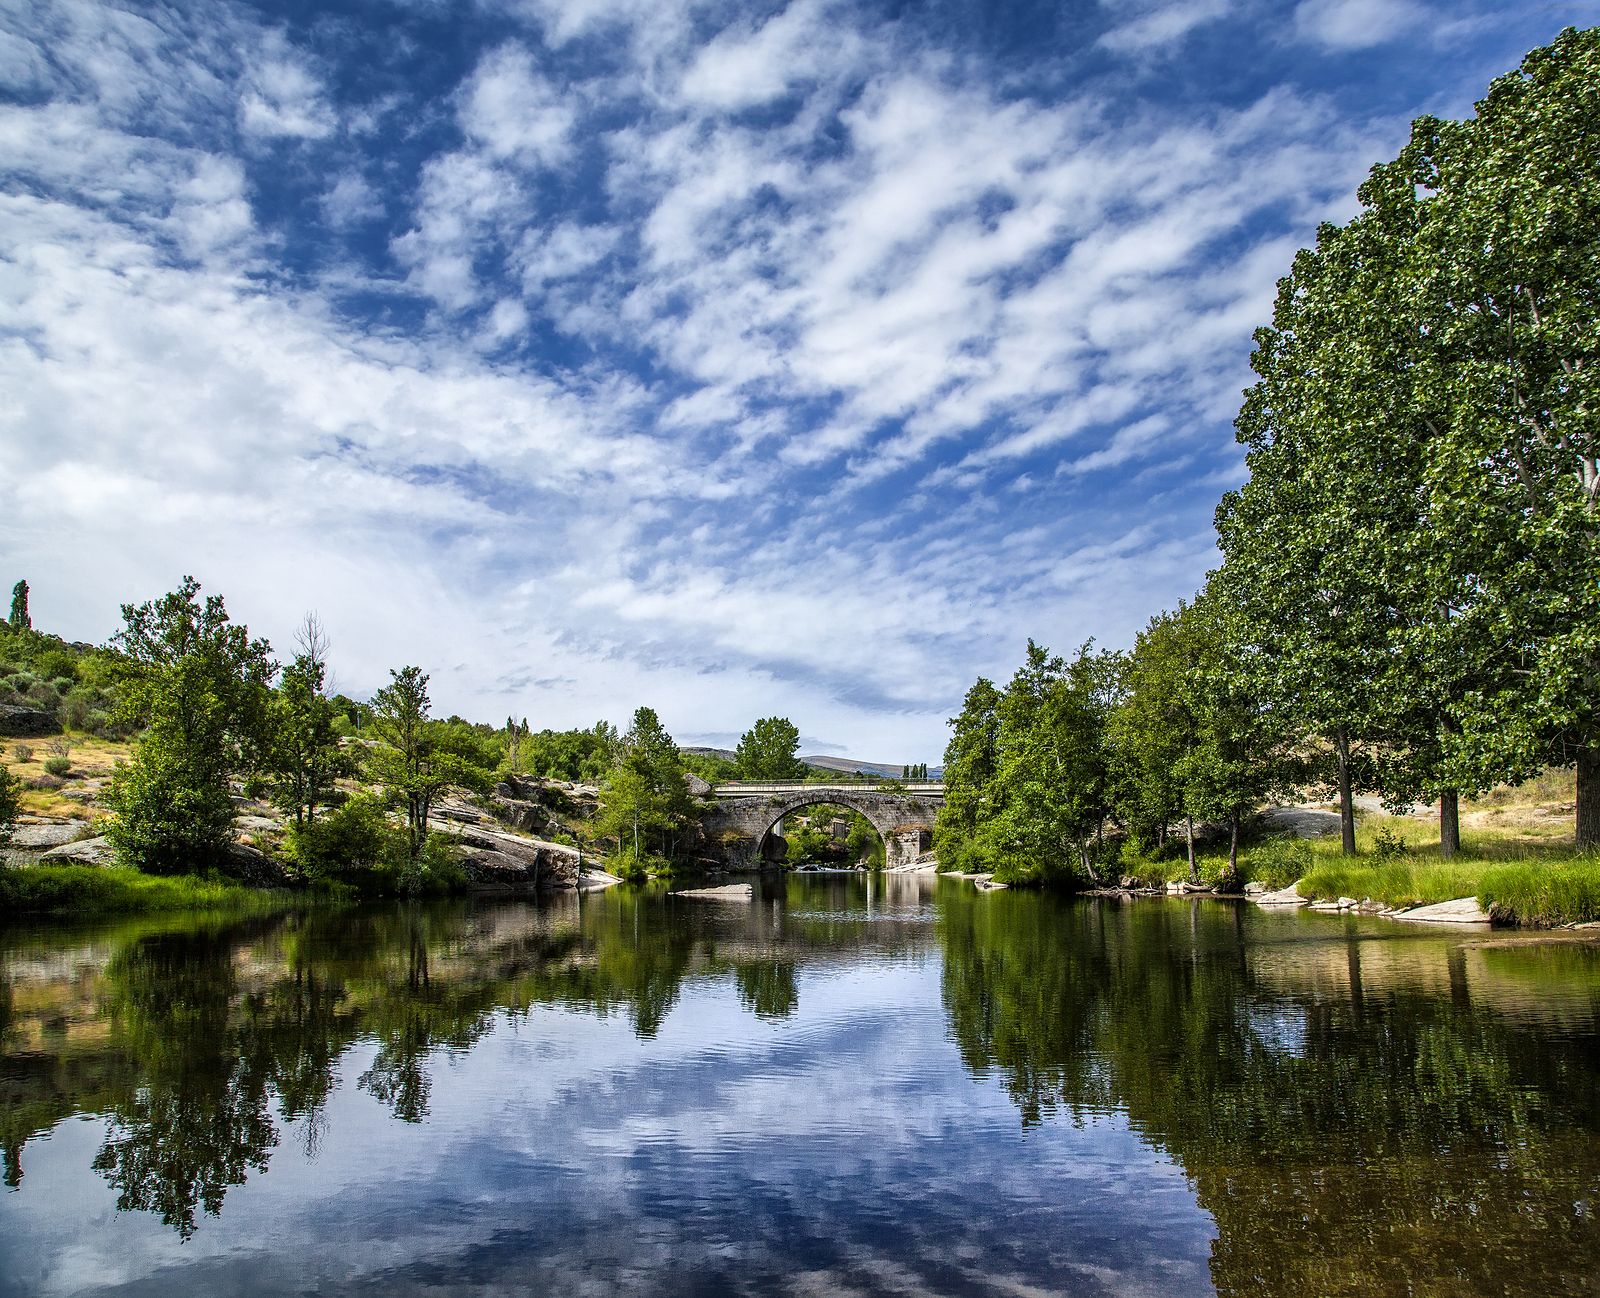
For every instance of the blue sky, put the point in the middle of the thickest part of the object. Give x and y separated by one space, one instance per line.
736 359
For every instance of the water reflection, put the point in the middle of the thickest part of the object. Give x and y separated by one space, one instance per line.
885 1085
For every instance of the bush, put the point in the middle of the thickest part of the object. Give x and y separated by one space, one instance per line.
435 872
59 747
57 766
1278 861
1387 845
164 823
22 752
348 840
628 864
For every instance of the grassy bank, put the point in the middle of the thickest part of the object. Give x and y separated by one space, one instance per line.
1516 858
102 890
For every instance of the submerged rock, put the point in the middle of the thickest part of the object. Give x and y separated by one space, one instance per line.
727 892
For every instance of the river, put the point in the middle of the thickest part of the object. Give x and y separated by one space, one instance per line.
851 1085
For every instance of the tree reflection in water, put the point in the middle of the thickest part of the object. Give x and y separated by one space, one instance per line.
1352 1103
1353 1111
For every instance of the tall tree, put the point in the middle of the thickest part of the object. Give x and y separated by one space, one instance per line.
1504 277
20 619
971 762
769 750
645 803
1153 726
197 683
410 758
305 759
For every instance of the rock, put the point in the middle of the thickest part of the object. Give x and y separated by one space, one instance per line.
1348 903
1463 910
520 813
53 833
1254 889
253 866
461 811
27 723
989 885
86 851
592 878
1283 897
1301 822
727 892
698 788
495 860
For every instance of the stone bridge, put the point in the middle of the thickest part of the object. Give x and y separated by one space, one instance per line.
739 826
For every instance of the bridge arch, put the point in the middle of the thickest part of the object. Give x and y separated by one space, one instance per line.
742 816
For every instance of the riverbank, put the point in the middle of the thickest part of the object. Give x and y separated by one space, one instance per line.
117 890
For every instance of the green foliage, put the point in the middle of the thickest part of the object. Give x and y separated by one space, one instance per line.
304 758
1543 894
769 751
343 843
10 804
19 619
577 756
971 762
58 766
417 758
1277 861
645 804
198 683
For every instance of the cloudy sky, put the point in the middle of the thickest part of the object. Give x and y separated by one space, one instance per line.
734 357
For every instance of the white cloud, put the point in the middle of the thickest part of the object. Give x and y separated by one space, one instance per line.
513 112
282 96
1356 24
1156 28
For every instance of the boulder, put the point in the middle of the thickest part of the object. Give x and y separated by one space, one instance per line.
1283 897
727 892
251 865
698 788
87 851
27 723
519 813
1463 910
1254 889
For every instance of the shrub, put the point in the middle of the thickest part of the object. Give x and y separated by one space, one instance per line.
59 747
61 684
348 840
435 871
22 752
1387 845
57 766
1278 861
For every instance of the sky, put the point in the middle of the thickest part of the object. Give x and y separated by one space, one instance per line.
737 359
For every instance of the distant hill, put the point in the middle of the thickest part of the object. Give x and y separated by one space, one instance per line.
844 765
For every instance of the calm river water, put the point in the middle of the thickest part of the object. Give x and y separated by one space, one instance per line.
848 1086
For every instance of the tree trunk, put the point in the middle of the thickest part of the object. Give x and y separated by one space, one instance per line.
1233 847
1449 823
1588 830
1194 869
1088 865
1347 808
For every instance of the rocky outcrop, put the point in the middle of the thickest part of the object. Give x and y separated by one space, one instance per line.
27 723
1289 896
251 865
496 860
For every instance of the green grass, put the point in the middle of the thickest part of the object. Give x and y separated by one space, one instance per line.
1524 873
98 890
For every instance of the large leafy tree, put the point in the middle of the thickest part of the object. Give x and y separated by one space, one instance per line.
971 762
1503 278
1152 726
769 750
305 757
413 758
1236 751
1052 785
198 685
645 803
